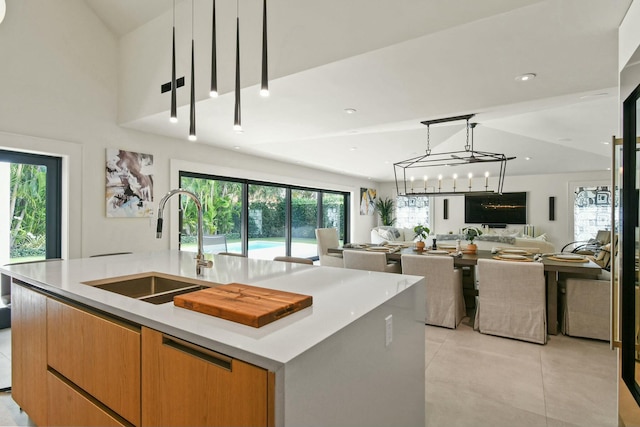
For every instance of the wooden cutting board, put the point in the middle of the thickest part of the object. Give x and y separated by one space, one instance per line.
249 305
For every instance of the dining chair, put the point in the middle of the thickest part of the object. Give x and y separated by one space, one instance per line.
328 238
444 298
214 244
585 308
294 259
511 300
370 261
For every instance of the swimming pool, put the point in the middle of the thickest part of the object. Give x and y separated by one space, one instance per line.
254 245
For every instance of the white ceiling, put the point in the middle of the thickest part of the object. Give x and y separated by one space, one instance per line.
404 61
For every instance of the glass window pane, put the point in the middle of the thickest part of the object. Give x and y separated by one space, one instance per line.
333 213
267 217
591 212
27 218
304 221
411 211
221 217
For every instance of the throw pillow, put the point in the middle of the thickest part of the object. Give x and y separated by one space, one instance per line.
542 237
395 232
385 234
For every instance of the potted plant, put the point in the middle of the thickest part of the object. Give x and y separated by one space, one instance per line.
470 233
384 207
421 233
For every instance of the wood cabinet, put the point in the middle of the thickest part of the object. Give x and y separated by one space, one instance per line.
186 385
69 406
72 365
100 355
29 351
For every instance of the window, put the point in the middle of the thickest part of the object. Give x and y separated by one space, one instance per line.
31 196
411 211
260 219
591 211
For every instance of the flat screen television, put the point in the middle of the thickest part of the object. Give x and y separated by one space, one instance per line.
505 208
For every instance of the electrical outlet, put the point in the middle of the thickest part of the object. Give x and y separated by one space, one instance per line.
388 330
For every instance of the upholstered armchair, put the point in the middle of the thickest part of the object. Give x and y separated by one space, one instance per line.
370 261
444 299
328 238
511 300
585 308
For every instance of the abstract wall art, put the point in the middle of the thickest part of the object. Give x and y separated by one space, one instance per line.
129 184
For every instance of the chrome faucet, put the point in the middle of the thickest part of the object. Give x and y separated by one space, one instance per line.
200 261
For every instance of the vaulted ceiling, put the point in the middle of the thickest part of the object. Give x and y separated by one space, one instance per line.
400 62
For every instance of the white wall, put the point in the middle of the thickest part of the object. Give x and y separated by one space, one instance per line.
539 188
59 79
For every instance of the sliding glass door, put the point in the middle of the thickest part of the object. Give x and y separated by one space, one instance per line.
304 221
30 217
261 220
267 219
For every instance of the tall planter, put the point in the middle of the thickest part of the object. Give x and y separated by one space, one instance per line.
384 208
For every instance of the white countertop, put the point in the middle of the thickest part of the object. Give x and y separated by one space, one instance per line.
340 296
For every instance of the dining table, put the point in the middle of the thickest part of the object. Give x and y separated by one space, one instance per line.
553 267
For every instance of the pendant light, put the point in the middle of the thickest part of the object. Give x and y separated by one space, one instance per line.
214 71
174 112
264 90
237 122
192 116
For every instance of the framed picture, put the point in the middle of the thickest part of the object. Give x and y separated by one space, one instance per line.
367 201
129 184
602 198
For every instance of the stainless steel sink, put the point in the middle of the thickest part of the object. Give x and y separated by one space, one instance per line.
154 288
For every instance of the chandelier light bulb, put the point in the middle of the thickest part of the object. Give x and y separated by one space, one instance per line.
193 138
213 94
173 119
264 92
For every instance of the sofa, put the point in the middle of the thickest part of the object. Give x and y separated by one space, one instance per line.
487 241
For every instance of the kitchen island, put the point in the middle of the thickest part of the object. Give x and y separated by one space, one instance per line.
355 357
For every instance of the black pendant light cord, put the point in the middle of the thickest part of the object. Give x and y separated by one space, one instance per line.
237 123
214 68
174 112
264 90
192 121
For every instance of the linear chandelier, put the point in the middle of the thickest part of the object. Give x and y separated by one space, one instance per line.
175 83
463 161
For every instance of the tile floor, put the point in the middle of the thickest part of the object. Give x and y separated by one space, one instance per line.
480 380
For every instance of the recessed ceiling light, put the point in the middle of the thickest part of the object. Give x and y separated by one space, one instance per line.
525 77
564 139
353 148
349 110
605 142
237 147
527 158
608 169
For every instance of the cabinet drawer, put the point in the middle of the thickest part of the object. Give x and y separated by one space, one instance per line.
68 407
98 354
186 385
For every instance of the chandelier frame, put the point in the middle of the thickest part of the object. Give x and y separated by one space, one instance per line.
449 158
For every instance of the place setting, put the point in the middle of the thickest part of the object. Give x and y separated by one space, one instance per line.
568 258
512 257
